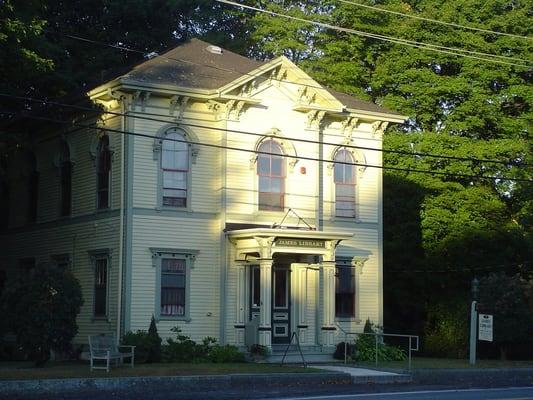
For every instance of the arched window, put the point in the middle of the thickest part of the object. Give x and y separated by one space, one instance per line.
271 173
175 168
65 172
103 173
344 178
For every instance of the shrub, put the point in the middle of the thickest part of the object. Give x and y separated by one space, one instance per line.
339 351
225 354
259 350
40 309
182 349
446 332
147 344
364 348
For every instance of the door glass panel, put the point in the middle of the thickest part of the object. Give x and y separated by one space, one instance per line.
256 287
280 288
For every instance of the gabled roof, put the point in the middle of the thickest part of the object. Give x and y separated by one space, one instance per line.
191 65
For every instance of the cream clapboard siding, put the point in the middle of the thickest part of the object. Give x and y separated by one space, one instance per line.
177 233
205 177
85 230
74 240
364 244
231 298
275 112
366 177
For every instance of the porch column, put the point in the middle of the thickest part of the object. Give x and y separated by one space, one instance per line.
265 294
328 303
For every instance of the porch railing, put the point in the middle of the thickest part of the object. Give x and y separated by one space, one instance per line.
412 341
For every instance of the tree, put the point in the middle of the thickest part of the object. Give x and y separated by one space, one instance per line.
40 308
454 227
510 300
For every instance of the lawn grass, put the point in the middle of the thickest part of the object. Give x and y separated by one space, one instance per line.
447 363
25 370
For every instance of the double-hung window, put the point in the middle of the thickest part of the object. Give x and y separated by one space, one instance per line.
345 290
100 286
173 282
173 286
175 169
103 173
271 175
344 177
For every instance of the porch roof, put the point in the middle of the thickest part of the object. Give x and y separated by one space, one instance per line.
288 233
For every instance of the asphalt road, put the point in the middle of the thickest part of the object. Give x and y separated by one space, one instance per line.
370 392
517 393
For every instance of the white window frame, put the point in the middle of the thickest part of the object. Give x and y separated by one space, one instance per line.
359 158
283 177
157 156
356 264
158 254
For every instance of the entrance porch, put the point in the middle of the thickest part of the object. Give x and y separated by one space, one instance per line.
285 284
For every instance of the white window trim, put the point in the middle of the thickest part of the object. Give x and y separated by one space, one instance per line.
181 254
359 157
193 155
357 264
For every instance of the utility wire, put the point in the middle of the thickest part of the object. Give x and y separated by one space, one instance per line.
405 42
433 20
165 119
144 54
400 169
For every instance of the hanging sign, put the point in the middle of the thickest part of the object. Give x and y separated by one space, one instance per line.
485 327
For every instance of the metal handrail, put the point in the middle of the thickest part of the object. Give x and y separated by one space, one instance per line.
294 335
410 338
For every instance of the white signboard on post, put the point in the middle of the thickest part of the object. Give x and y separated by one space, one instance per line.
485 327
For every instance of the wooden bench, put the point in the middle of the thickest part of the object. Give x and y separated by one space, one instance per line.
106 348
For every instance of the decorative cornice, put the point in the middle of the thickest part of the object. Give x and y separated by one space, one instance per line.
178 103
314 119
378 128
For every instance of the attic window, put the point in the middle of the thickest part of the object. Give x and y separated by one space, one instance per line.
214 49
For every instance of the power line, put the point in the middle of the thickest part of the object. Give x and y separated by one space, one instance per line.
399 169
214 66
433 20
166 120
405 42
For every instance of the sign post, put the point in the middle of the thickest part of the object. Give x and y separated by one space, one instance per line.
473 331
485 327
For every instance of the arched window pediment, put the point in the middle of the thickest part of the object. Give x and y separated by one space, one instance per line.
95 142
188 136
288 149
358 158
